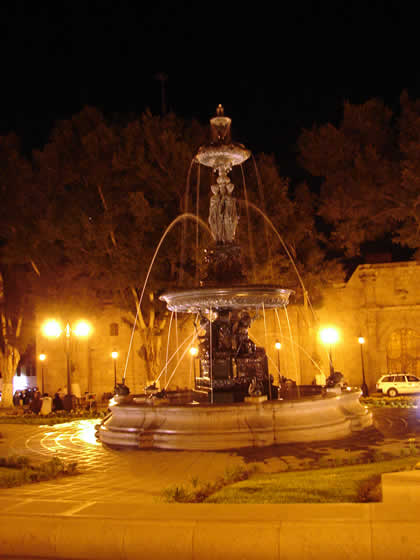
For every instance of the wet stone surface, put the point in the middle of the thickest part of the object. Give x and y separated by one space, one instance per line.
139 476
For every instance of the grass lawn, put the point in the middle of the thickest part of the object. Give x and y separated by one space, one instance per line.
356 483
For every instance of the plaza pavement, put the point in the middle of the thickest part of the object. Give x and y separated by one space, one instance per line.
114 509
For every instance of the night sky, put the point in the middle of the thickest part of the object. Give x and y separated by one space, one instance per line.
274 71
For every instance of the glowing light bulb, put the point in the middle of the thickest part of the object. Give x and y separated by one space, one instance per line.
329 335
82 329
51 328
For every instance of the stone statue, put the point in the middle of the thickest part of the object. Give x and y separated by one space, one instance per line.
254 389
223 216
242 343
230 215
215 214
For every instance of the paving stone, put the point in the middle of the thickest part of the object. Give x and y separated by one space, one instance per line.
139 476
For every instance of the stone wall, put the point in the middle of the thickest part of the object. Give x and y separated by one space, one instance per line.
376 301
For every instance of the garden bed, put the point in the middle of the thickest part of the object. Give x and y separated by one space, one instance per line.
11 417
18 470
380 401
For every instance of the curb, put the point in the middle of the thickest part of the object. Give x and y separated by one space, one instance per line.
306 531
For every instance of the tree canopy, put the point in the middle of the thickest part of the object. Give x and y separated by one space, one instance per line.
369 173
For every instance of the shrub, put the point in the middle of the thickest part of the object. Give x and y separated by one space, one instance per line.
370 490
23 472
200 491
14 461
396 402
176 494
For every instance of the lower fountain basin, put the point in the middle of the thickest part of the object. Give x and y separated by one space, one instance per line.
235 297
232 426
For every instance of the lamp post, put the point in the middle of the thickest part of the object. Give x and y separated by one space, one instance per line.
194 352
329 336
365 389
114 355
52 329
277 346
42 358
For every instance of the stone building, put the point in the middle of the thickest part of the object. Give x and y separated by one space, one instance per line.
380 302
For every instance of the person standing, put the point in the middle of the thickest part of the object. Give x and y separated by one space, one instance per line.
36 403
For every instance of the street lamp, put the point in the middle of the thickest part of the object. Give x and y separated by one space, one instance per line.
42 358
114 355
277 346
52 329
194 353
329 336
365 389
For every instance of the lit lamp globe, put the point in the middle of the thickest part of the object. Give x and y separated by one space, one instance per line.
193 351
329 336
82 329
277 345
51 329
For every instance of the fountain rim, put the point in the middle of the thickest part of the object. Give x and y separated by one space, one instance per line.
244 297
137 401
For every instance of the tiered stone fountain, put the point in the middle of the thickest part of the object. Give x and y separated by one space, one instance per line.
242 408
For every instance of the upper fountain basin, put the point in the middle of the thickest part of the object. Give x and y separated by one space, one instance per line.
236 297
222 155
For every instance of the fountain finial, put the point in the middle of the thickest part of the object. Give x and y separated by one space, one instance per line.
220 127
221 152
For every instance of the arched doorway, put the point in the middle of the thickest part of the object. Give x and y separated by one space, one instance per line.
403 352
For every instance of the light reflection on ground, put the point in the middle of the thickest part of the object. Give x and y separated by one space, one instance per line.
86 432
83 430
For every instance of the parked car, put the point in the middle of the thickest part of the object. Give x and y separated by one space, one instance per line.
398 384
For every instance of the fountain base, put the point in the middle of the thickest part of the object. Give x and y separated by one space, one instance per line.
233 426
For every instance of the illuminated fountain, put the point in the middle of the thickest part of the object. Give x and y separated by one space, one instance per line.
242 407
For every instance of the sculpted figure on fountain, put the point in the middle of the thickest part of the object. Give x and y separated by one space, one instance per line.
223 215
215 214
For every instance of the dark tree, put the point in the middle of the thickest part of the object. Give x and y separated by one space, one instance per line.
17 267
358 162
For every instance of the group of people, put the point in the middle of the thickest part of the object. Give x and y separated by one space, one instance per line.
25 397
33 401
